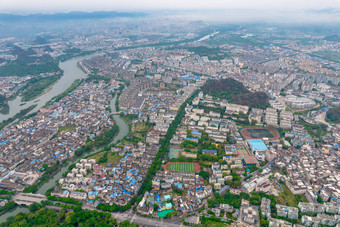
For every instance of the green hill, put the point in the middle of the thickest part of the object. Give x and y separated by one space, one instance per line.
236 92
333 115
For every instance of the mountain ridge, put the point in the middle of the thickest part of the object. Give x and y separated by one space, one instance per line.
69 16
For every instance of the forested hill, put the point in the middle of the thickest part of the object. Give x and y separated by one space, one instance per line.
235 92
333 115
28 63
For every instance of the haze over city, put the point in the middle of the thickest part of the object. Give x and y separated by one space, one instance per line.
288 11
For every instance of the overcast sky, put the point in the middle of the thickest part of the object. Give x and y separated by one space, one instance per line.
140 5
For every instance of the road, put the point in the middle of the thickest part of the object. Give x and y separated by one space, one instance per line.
140 220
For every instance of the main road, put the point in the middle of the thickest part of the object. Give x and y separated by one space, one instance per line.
141 220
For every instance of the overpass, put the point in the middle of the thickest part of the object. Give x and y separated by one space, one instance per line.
28 198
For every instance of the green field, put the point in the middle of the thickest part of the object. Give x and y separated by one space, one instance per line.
183 167
163 213
259 133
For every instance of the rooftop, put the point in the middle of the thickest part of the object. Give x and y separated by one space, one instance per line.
257 145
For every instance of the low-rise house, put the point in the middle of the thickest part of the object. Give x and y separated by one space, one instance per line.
61 193
249 214
326 219
78 195
287 211
332 208
265 207
311 207
273 222
227 208
310 221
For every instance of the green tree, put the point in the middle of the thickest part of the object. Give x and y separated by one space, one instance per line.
61 214
204 175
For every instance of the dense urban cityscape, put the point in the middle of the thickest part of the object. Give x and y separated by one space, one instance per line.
170 123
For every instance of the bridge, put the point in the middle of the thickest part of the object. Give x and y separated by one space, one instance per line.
28 198
116 113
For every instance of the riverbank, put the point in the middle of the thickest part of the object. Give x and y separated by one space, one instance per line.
70 73
18 116
37 86
122 132
56 173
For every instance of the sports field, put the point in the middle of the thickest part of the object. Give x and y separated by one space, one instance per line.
259 133
182 166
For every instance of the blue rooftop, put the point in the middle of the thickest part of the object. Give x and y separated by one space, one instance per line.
257 145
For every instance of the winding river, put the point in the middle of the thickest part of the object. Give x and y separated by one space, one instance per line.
71 73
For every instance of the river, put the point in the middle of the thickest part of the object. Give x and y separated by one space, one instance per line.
71 73
207 36
123 131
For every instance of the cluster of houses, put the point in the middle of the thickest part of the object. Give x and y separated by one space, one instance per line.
220 174
270 117
190 187
53 134
128 97
327 213
111 183
312 172
260 182
332 218
162 110
117 183
299 136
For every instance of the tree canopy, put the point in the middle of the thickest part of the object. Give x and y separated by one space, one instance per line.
235 92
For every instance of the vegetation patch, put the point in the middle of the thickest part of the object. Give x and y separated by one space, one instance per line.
236 92
66 128
328 55
333 115
211 53
105 157
3 102
37 86
286 197
27 63
315 130
49 217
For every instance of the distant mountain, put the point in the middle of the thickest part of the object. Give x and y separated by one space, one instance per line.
332 38
69 16
325 11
